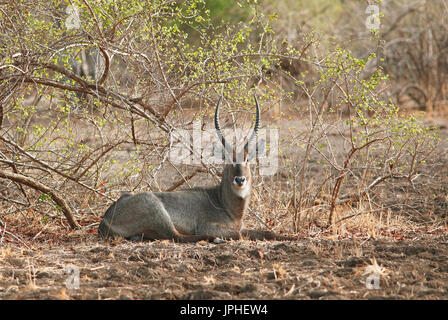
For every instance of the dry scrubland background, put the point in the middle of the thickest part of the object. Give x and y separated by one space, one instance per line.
92 93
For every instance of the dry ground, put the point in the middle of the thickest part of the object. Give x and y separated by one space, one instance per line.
303 269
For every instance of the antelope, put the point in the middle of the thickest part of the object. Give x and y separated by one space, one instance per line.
211 214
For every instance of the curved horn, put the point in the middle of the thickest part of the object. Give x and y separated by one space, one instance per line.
219 133
256 126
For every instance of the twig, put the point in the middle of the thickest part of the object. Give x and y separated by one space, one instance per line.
97 23
47 166
4 231
357 214
16 237
183 180
30 182
260 219
106 66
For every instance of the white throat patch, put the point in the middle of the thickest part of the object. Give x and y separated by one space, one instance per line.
242 192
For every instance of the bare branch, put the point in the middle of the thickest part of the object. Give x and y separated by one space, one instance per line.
30 182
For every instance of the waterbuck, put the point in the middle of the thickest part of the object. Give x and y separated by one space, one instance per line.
191 215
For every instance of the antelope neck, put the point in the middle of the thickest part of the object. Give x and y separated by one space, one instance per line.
235 204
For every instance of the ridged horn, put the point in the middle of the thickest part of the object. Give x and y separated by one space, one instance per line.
227 147
256 126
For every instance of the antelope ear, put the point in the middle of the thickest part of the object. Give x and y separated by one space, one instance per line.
256 151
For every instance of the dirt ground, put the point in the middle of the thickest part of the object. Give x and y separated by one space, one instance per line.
302 269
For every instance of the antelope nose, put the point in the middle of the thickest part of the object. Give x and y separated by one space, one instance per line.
239 180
